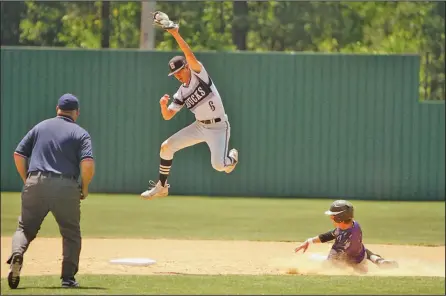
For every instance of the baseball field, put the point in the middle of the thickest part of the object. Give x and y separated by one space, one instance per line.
229 246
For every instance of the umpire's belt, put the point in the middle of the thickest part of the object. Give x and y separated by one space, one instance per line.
209 121
51 175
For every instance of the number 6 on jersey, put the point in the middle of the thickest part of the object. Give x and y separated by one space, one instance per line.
211 104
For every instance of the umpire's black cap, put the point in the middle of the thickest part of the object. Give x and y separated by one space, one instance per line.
68 102
176 64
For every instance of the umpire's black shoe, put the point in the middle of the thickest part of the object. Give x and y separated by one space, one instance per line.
14 272
70 283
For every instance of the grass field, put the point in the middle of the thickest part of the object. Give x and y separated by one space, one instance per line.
233 219
233 285
240 219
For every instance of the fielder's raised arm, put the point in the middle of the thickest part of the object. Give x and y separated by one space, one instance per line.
190 57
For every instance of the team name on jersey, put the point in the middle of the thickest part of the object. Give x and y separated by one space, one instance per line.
199 94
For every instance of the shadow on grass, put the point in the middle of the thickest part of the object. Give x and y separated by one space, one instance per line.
178 273
60 288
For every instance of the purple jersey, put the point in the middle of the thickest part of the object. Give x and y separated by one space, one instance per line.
348 244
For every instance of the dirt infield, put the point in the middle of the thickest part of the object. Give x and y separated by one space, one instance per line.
213 257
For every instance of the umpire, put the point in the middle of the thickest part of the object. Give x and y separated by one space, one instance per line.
57 151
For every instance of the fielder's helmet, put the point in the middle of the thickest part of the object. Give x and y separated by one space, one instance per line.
342 210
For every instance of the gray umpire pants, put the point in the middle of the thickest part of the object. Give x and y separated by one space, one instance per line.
60 196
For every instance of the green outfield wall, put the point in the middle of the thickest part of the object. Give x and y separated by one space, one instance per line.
305 125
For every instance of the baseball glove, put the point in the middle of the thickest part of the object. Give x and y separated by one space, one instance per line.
161 19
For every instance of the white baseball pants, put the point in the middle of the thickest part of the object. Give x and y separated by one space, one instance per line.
216 136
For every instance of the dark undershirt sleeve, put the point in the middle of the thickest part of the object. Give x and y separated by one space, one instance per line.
328 236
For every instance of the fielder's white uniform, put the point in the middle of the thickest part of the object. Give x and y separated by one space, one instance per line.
201 97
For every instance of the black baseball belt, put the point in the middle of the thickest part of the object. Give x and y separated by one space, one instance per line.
51 175
209 121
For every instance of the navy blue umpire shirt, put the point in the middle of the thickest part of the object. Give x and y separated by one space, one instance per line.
56 145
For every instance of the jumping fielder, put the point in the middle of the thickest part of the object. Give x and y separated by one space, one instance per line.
348 249
199 94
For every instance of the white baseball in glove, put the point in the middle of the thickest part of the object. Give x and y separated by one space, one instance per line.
162 20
